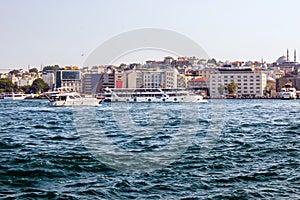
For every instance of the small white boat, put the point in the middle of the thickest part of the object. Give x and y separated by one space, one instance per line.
71 99
14 96
288 92
151 95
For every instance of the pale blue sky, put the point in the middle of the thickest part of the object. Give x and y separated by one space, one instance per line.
46 32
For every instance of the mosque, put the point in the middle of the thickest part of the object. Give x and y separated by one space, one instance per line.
289 69
285 64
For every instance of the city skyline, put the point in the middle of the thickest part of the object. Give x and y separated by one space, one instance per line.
52 32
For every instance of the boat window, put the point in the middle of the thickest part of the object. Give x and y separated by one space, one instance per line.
63 98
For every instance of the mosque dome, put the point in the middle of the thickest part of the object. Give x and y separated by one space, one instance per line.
281 60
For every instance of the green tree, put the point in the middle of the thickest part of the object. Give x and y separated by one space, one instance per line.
15 71
25 89
54 68
213 60
39 86
232 87
33 70
6 85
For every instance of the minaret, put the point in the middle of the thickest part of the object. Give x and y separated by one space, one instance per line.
287 55
295 56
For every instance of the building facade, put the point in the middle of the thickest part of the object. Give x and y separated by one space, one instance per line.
49 78
69 79
95 83
249 83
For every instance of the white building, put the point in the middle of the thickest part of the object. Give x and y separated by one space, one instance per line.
150 78
25 81
249 82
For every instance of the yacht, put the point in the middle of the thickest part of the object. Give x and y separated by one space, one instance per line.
288 92
70 99
151 95
14 96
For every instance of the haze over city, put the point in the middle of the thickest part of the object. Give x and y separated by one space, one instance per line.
48 32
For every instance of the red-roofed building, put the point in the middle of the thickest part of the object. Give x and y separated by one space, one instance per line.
199 84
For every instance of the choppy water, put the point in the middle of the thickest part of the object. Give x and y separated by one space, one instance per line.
153 151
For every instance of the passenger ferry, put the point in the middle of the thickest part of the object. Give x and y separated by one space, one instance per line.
288 92
151 95
70 99
14 96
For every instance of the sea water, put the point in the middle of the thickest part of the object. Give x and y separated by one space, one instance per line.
223 149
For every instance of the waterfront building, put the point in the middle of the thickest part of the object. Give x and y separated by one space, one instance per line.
250 83
206 72
96 83
120 77
49 78
69 79
199 84
271 87
288 78
158 77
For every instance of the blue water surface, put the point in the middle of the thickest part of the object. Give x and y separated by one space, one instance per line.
254 156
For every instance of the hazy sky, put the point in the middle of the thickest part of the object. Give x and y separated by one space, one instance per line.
46 32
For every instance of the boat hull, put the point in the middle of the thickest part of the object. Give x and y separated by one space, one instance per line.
82 102
155 99
21 97
288 96
151 95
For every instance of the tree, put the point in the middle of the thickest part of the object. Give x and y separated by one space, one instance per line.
6 85
15 71
232 87
122 65
33 70
25 89
213 60
53 68
39 86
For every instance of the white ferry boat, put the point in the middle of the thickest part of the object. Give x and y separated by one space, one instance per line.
71 99
14 96
151 95
288 92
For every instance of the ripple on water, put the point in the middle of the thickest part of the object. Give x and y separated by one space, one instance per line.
256 155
